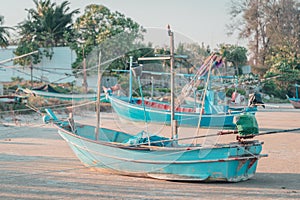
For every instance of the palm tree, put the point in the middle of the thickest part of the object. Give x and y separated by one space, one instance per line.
45 27
51 22
4 34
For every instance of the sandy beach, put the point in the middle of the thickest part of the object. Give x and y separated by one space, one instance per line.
36 163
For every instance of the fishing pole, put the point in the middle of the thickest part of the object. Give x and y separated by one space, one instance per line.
223 132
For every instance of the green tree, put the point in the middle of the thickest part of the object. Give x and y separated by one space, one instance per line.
196 53
44 28
235 55
266 24
272 29
250 18
4 33
284 62
112 32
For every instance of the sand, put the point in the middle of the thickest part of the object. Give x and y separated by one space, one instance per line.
36 163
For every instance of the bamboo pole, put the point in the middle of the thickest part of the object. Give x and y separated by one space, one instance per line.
17 57
98 98
174 132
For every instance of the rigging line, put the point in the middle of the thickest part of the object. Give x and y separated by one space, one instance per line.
35 67
17 57
193 82
10 67
220 133
53 106
203 100
22 128
95 66
69 75
188 138
45 70
79 105
146 53
78 72
63 78
28 74
26 109
92 152
56 68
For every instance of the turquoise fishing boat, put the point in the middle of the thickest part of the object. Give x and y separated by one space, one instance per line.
205 112
159 157
167 158
53 94
213 116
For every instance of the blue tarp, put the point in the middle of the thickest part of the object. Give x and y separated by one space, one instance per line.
155 140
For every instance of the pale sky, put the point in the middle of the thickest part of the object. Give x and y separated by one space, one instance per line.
199 20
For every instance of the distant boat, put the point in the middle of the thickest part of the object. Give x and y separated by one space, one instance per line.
13 99
206 113
295 101
159 112
47 91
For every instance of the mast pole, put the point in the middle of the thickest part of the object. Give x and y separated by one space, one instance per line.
296 90
98 98
84 72
130 78
31 74
174 133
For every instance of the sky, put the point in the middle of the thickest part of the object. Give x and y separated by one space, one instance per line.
199 20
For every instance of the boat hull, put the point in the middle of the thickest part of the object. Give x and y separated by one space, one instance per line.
231 163
295 102
66 97
135 112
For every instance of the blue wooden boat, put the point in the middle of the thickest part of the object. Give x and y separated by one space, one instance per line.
13 99
208 114
213 116
62 96
159 157
295 101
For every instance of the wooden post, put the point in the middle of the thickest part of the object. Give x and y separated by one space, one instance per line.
98 99
130 78
31 74
173 121
84 72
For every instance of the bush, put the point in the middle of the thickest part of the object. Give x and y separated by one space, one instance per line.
165 90
270 88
